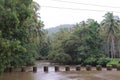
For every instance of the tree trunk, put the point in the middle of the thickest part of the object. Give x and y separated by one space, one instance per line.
108 47
118 48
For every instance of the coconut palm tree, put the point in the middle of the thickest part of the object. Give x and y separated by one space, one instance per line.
110 26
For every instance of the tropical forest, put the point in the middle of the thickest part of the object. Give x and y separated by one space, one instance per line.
23 39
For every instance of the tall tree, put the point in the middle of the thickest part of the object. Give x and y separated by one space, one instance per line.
110 26
84 43
19 32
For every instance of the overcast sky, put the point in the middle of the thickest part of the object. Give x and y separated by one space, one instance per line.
53 17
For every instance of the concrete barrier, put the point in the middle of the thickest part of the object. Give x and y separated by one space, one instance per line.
78 68
45 68
22 69
88 67
109 67
99 68
34 69
67 68
118 67
8 70
56 68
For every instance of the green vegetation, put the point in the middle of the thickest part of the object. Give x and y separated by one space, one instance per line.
114 62
53 30
23 39
20 33
87 43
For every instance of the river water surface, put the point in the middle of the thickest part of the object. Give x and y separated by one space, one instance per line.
62 74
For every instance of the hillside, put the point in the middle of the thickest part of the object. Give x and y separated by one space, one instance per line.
57 28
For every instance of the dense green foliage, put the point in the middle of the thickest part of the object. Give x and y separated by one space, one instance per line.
43 46
88 42
53 30
114 62
20 32
22 38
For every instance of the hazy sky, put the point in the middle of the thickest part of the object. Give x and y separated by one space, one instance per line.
53 17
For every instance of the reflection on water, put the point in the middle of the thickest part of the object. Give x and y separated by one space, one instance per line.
62 75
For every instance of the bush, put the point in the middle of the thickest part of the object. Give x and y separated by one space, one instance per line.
118 61
103 61
114 62
51 56
90 61
60 58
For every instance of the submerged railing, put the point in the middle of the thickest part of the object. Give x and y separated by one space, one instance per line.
66 68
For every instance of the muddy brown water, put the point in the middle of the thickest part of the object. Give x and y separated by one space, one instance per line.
62 74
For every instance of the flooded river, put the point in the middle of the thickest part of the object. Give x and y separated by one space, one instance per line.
62 74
